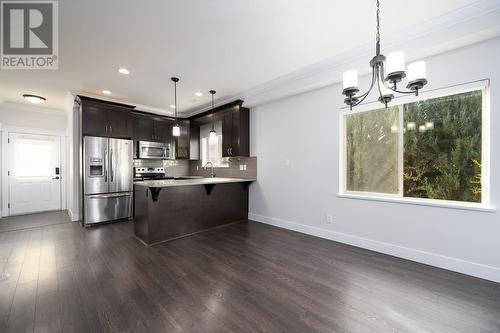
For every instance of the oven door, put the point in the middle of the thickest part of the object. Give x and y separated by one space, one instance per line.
152 150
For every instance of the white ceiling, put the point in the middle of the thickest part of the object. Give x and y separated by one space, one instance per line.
227 45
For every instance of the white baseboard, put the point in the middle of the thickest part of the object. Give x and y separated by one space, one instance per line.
453 264
73 217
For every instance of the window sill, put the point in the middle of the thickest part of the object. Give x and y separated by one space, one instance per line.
421 202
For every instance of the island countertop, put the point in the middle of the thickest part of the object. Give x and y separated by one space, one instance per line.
169 209
188 182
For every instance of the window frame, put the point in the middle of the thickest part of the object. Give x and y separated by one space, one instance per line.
399 101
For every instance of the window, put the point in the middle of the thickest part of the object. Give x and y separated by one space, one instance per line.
211 150
34 156
427 149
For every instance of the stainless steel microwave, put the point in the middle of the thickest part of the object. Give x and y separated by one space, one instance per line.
155 150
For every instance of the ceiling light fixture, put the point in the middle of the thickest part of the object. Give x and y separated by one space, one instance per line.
123 71
386 84
199 94
176 130
34 98
106 92
213 134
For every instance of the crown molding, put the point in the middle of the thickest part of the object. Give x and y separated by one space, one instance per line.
32 108
138 107
471 24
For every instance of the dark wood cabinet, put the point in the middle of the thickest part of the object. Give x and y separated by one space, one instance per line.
143 128
235 133
120 123
152 128
163 130
182 142
101 118
235 128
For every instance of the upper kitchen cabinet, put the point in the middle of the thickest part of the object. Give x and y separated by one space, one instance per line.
182 142
235 128
152 128
100 118
143 127
163 129
236 132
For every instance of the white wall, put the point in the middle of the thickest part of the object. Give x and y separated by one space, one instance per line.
27 116
20 115
304 130
72 157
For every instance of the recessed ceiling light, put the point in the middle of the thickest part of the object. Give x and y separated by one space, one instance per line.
34 98
172 106
199 94
106 92
123 71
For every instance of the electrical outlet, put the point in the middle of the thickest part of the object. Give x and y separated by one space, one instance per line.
329 218
287 163
197 167
241 167
245 167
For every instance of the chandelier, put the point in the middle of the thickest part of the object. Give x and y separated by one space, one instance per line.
386 84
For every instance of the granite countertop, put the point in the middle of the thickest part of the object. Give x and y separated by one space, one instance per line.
187 182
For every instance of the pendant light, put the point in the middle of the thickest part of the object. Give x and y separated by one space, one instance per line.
386 74
176 130
213 134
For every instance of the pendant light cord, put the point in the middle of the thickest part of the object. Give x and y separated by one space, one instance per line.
212 92
175 101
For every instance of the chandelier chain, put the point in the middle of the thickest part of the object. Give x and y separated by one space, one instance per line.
378 21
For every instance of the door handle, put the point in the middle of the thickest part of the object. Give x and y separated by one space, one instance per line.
111 171
56 177
106 196
105 166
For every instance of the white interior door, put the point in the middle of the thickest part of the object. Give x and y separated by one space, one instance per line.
34 173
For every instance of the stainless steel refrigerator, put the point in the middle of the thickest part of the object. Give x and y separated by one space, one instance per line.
107 185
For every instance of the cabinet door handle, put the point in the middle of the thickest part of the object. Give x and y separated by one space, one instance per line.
106 128
228 151
110 128
231 151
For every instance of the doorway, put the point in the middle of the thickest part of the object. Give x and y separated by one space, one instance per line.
34 173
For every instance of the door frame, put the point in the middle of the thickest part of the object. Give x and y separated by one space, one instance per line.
6 130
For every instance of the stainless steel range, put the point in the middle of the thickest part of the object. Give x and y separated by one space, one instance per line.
145 173
107 185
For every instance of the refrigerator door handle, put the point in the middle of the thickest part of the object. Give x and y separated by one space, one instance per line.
105 165
107 196
111 171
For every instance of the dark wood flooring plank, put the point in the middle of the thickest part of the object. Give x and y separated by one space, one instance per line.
245 277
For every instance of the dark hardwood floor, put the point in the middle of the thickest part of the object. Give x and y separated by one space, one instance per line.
21 222
246 277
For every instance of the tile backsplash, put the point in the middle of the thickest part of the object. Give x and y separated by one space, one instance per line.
232 171
178 168
173 168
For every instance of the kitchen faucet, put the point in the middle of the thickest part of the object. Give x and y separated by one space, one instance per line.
212 174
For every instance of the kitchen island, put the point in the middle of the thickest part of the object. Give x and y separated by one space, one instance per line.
170 209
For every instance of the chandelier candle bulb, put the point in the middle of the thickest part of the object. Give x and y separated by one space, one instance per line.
350 79
386 94
395 66
417 76
417 71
